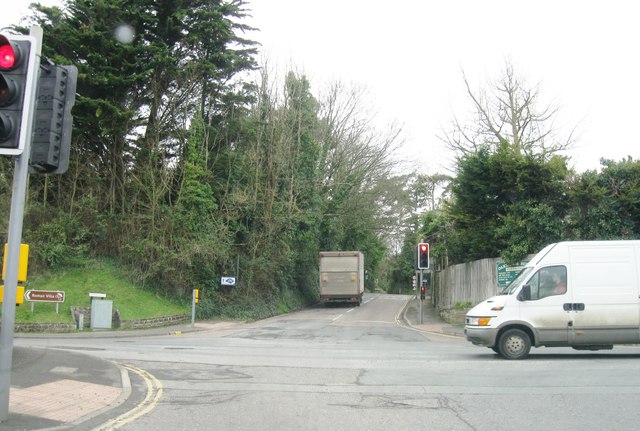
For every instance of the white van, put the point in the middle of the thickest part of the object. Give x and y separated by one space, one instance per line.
583 294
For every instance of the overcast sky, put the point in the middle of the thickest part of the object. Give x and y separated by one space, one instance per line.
410 54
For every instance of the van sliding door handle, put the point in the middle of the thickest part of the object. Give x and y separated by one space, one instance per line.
576 306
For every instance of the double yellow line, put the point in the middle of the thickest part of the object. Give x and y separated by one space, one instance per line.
154 392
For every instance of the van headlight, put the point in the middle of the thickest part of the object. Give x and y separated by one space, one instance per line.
478 321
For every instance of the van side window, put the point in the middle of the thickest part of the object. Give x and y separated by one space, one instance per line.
548 281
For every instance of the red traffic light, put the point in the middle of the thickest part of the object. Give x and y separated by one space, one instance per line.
423 256
8 54
422 289
18 72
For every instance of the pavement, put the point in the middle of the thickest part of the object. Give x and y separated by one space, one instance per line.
431 321
52 388
59 390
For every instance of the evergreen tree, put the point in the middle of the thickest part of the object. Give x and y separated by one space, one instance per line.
505 202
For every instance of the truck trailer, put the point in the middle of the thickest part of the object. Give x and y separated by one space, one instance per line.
341 276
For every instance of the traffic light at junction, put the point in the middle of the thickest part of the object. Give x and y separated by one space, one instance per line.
423 255
46 121
15 66
51 142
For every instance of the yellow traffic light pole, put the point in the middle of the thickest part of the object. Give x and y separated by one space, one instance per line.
195 298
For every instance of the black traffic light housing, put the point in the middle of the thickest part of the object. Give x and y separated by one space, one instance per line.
423 255
53 122
16 63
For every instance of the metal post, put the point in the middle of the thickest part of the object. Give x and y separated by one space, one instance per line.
193 308
18 196
420 292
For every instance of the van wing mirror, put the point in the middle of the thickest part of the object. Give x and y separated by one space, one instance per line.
525 293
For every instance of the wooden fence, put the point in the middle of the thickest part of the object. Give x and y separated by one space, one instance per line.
465 284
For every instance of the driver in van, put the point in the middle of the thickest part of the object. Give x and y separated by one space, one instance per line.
561 285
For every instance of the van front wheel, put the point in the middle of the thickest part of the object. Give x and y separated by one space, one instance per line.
514 344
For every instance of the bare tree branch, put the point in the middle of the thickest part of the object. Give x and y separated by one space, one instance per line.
509 114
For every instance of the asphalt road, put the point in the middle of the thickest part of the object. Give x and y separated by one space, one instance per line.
360 368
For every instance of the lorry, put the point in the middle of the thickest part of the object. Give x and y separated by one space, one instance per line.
341 276
579 294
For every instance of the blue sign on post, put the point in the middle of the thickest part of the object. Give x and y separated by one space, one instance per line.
228 281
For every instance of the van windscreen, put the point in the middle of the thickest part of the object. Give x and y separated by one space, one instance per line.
513 286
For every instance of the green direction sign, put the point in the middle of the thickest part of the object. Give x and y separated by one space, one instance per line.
507 273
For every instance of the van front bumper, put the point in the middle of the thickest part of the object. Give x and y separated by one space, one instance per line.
481 336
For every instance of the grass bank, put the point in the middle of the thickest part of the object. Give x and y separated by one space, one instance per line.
97 276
